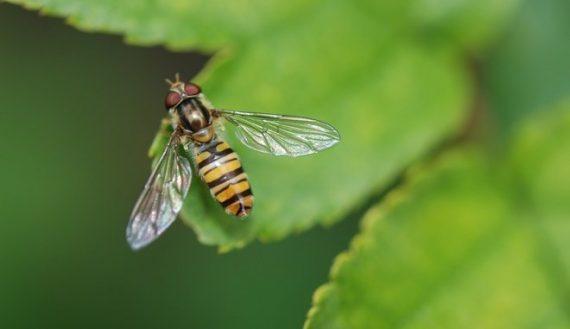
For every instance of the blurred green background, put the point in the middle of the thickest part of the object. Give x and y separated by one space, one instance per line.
77 118
78 112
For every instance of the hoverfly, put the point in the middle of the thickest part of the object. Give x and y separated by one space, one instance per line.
195 136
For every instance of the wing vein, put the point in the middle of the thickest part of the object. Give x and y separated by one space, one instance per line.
162 197
280 134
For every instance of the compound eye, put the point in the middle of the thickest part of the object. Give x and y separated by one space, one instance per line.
191 89
172 98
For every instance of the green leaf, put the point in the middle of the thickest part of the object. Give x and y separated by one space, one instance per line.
465 244
383 73
541 158
196 24
380 93
387 118
471 25
529 69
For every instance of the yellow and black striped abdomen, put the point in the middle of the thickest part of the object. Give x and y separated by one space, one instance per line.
219 167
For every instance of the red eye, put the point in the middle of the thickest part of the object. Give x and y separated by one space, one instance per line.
172 98
191 89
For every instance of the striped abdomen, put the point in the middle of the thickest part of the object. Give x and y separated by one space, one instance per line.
219 167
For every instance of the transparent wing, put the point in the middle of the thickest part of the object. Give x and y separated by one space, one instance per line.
162 197
281 134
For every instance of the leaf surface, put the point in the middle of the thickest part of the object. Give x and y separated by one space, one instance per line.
469 242
388 75
528 71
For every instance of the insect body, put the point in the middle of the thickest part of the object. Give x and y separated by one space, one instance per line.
195 137
219 167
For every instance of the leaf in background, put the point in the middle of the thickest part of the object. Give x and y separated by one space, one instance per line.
529 70
472 25
541 156
364 66
461 247
388 117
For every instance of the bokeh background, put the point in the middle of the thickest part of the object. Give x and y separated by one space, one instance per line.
77 118
77 114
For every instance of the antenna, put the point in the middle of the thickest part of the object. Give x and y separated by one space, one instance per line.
176 81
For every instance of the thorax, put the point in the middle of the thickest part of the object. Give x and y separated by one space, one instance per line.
193 117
